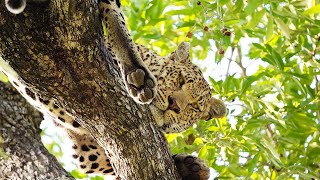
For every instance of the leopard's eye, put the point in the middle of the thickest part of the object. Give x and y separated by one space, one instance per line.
195 105
181 80
170 100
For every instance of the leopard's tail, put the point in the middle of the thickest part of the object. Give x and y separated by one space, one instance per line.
16 6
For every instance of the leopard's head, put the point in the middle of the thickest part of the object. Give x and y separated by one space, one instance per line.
184 96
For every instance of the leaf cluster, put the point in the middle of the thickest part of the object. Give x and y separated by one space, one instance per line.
267 54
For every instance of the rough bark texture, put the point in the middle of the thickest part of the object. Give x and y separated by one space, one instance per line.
23 156
57 47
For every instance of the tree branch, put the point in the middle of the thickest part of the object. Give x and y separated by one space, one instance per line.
58 49
23 155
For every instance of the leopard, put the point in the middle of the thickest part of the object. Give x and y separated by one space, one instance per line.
177 94
192 102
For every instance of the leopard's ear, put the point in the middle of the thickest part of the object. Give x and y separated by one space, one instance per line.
216 109
183 51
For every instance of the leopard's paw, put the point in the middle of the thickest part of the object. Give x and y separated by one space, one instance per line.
191 168
141 85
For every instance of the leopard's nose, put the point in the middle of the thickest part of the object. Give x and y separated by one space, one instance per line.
173 105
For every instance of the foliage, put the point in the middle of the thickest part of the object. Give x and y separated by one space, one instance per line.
267 58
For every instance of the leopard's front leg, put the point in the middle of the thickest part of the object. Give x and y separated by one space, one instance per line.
139 81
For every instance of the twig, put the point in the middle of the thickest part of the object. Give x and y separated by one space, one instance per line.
239 62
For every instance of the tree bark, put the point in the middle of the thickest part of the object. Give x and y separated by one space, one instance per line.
58 48
22 155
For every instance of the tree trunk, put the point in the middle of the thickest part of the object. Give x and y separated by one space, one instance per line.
22 155
58 48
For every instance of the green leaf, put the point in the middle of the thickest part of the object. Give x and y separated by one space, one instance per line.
256 19
259 46
233 168
223 2
270 28
155 10
171 137
312 10
252 5
272 149
278 59
229 22
152 36
268 60
246 83
97 178
213 128
203 152
299 85
179 12
253 164
238 6
77 174
283 27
